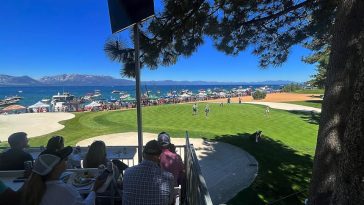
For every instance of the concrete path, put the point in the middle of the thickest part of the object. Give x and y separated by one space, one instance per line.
34 124
287 106
227 169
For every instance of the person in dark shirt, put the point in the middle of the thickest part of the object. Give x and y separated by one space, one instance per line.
14 158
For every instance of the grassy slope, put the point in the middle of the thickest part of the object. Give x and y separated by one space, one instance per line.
310 103
284 156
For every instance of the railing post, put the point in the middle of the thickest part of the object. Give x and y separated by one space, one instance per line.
196 189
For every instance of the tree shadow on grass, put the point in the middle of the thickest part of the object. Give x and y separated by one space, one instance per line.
282 171
310 117
315 101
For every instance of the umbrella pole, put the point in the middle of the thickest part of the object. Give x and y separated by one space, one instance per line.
137 93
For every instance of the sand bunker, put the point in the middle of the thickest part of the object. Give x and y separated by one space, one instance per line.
35 124
227 169
274 97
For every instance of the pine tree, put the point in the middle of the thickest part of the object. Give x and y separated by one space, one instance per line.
272 27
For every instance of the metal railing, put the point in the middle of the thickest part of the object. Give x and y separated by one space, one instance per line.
196 189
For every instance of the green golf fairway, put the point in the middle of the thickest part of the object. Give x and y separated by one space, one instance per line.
284 154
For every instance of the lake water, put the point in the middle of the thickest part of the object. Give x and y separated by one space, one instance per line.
32 95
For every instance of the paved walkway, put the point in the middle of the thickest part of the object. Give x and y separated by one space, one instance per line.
227 169
287 106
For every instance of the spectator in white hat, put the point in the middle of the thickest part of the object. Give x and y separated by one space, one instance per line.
44 186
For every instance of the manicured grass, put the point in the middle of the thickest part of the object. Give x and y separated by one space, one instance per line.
284 155
314 91
309 103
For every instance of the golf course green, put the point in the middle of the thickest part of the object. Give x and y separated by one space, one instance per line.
284 154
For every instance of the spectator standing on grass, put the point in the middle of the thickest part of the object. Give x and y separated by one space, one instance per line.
146 183
194 109
14 158
267 111
207 110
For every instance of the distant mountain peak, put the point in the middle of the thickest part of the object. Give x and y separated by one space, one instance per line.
102 80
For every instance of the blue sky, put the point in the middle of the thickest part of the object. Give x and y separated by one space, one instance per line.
48 37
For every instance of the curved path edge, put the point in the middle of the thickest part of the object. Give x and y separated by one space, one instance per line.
287 106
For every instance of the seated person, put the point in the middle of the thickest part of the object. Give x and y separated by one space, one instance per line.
44 186
55 143
14 158
146 183
8 196
96 155
169 160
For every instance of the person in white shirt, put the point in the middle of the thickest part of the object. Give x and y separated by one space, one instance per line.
44 186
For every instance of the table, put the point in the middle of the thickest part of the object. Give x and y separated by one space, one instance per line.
112 152
8 178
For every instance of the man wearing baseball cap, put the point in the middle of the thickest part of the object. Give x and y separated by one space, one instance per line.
44 186
169 160
146 183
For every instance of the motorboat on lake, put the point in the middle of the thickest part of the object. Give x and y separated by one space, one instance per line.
116 91
46 100
65 97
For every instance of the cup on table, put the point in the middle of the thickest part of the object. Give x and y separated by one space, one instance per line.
28 166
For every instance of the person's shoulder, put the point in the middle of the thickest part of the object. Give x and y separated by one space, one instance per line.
27 156
131 170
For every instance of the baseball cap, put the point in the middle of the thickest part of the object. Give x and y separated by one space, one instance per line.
48 159
152 148
164 139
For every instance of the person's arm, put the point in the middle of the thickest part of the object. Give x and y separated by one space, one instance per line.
90 199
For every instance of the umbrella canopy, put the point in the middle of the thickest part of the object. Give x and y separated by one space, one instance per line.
153 97
13 107
201 95
93 104
39 104
128 99
185 95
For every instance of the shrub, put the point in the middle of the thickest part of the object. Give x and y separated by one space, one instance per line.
258 95
291 87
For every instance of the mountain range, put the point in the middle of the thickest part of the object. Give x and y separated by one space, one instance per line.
97 80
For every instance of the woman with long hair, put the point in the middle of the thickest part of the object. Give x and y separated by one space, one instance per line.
96 155
44 186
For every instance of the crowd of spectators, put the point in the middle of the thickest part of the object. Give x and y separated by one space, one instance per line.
152 182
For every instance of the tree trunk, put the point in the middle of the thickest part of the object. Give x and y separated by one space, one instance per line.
338 171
